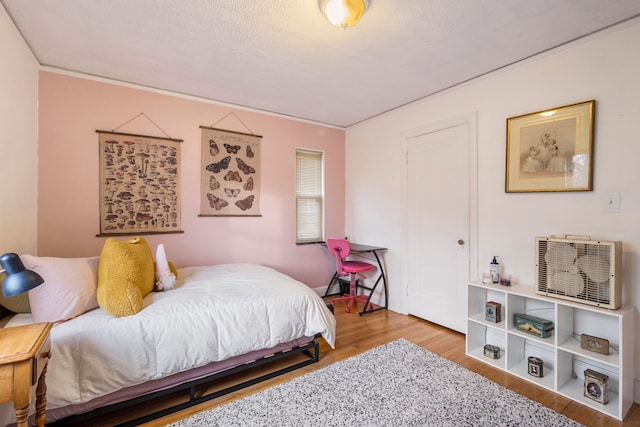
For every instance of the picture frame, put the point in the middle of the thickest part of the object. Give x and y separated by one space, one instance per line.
551 150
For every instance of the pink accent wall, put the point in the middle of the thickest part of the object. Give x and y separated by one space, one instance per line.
71 109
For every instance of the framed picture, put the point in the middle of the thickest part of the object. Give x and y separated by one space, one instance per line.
551 150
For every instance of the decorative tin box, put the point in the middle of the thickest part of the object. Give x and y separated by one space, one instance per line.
536 366
599 345
493 312
541 328
595 386
491 351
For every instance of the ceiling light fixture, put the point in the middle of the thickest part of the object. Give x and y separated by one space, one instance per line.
343 13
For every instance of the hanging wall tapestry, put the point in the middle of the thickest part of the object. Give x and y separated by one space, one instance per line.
139 184
230 173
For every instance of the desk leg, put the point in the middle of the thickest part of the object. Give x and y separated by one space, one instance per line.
41 399
333 279
384 281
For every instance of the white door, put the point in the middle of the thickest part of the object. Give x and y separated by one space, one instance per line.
438 226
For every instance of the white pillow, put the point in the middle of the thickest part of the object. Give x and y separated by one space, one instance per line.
69 287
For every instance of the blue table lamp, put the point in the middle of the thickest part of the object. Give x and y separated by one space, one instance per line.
18 279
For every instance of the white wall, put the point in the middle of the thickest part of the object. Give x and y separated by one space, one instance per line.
604 67
18 143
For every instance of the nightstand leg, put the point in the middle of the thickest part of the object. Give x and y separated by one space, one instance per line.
22 416
41 399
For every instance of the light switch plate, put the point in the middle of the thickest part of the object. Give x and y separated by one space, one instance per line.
611 202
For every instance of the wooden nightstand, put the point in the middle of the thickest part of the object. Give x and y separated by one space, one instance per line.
24 353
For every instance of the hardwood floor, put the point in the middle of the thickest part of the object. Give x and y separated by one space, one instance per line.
356 334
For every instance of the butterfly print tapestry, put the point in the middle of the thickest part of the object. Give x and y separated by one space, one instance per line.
230 173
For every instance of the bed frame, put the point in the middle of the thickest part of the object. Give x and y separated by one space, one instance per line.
308 351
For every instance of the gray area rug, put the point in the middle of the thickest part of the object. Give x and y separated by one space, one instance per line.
398 384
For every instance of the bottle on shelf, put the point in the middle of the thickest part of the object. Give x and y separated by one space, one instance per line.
495 270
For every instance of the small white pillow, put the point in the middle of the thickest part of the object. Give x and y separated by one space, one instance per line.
69 287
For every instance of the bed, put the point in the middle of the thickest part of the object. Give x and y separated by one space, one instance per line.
217 319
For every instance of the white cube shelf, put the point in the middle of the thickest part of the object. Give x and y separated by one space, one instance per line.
564 359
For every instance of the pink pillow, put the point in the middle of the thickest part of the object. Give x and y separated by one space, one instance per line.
69 287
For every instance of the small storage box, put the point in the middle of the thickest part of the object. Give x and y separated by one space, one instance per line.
345 285
491 351
541 328
536 366
493 312
595 386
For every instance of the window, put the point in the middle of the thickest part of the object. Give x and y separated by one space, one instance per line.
309 196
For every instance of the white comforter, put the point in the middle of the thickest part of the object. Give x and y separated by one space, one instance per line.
214 313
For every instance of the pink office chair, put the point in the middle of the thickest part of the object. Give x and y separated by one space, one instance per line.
340 248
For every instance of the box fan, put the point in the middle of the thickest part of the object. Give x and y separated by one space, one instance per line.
580 270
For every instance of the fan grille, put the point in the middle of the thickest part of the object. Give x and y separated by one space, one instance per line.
579 270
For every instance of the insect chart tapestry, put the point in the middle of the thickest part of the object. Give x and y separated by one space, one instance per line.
139 184
230 173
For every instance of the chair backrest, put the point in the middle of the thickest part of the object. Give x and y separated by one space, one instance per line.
340 248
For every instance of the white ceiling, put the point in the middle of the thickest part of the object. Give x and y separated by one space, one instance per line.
282 56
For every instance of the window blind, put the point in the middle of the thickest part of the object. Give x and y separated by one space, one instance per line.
309 196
